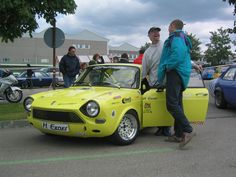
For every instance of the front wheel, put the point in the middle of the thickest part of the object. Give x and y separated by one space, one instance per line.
14 96
127 130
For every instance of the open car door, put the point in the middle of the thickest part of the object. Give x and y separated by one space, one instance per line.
195 101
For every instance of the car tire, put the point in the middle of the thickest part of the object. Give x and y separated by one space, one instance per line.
127 131
24 85
220 100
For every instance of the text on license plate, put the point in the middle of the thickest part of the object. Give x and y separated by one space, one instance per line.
55 127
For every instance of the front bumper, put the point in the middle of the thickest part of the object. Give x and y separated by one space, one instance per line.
70 124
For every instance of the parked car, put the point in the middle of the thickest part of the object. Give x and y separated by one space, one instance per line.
225 88
39 79
208 73
107 100
49 70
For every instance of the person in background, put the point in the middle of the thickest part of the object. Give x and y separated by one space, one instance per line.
124 58
83 66
97 59
69 66
115 59
175 66
139 59
30 73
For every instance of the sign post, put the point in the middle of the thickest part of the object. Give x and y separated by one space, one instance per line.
54 38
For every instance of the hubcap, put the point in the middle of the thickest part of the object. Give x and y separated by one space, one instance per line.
128 127
14 95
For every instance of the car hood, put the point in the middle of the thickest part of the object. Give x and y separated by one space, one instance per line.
73 97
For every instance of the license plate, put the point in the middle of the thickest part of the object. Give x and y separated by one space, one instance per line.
55 127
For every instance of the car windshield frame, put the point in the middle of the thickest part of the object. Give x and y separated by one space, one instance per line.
196 80
118 76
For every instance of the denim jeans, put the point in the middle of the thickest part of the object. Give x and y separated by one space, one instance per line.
174 103
68 81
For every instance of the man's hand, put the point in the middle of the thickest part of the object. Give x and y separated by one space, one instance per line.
160 87
198 67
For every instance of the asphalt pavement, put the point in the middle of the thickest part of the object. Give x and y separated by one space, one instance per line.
26 152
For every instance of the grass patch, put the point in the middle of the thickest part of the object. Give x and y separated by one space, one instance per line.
12 111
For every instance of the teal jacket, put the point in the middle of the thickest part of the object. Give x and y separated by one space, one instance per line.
176 55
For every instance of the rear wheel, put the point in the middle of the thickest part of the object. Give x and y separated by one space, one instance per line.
24 85
220 100
127 130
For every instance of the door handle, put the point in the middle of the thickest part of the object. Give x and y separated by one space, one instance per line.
201 94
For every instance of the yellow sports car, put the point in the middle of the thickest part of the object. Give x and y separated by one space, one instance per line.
108 100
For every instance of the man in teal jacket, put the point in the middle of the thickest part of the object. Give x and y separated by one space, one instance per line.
175 66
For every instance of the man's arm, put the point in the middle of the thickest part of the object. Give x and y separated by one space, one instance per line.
61 66
161 70
196 66
144 66
78 66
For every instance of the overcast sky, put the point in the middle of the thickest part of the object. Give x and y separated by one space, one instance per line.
129 20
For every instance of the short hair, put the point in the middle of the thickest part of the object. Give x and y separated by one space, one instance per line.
178 24
95 56
115 58
124 55
71 47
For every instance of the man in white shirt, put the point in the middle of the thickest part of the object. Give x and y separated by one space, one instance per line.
151 57
150 62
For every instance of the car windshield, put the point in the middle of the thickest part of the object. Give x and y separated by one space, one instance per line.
110 76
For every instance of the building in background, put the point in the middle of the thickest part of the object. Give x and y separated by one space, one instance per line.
34 50
124 48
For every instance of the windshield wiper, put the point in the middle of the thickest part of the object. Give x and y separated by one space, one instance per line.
82 83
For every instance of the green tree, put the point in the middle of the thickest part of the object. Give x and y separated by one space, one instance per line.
146 45
232 2
219 47
196 50
19 16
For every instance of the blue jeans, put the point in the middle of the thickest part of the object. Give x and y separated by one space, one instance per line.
174 103
68 81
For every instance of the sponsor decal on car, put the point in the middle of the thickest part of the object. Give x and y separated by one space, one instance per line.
117 97
152 98
147 108
115 103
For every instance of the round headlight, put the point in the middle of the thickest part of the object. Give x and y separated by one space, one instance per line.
27 103
92 109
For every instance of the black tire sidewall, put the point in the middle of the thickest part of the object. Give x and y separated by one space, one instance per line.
14 101
219 100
